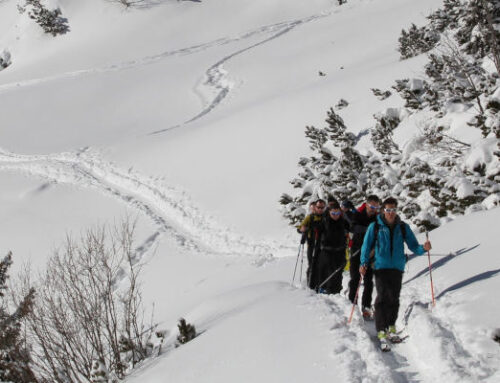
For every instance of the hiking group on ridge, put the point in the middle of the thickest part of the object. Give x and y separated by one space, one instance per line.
370 240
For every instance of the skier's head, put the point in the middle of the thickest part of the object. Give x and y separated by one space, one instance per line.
390 207
335 212
372 205
320 206
332 200
347 205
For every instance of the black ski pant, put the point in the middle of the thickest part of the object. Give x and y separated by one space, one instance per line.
388 284
355 276
312 255
330 261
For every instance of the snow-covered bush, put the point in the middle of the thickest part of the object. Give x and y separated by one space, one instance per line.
5 59
416 41
51 21
187 332
341 104
381 95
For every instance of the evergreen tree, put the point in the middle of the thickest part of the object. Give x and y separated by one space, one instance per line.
51 21
416 41
187 331
382 134
14 354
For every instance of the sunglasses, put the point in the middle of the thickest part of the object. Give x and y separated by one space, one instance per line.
390 210
374 207
335 212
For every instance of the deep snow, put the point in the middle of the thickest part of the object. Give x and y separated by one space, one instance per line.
190 117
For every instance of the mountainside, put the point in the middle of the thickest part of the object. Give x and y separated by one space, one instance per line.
189 116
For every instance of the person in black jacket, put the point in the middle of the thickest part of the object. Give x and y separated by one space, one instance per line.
360 222
310 230
331 259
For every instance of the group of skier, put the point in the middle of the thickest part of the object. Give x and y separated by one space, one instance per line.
371 239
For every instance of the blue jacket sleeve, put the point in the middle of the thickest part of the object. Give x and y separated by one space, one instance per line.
368 244
412 242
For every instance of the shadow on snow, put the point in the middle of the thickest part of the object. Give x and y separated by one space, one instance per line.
439 263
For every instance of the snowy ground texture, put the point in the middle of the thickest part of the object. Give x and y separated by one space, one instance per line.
190 116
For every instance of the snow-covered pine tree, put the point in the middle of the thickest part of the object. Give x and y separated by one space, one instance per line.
5 59
416 41
334 169
14 355
478 33
435 176
51 21
382 134
187 332
314 179
445 17
381 95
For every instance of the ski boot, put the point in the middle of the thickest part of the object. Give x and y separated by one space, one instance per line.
367 313
384 344
392 335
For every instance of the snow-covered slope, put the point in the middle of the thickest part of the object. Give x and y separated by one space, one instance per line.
190 116
259 328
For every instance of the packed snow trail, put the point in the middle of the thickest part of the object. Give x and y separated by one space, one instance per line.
433 338
170 210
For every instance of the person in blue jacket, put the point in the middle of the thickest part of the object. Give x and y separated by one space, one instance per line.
383 246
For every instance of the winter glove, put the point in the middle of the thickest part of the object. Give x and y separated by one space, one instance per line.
303 239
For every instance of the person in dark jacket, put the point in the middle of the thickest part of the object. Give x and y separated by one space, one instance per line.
383 246
333 231
310 228
360 221
348 210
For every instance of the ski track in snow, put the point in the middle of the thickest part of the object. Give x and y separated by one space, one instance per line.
432 339
217 81
170 210
353 347
432 353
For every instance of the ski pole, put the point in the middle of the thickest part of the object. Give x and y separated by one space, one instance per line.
331 276
301 264
336 271
355 299
430 271
296 263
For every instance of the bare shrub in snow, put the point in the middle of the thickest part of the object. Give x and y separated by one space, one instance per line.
89 309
